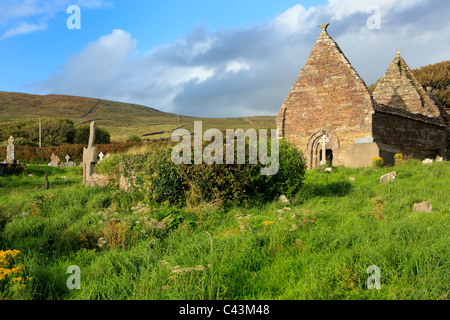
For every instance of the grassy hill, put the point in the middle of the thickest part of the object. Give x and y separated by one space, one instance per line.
122 120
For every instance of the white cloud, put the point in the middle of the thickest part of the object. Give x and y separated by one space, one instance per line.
249 71
23 28
17 16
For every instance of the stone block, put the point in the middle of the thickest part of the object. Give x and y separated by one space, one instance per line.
361 154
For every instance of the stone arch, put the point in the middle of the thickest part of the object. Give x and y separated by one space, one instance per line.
313 150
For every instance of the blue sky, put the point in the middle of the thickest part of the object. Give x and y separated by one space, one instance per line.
204 57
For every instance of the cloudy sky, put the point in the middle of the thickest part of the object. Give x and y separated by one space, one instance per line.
209 58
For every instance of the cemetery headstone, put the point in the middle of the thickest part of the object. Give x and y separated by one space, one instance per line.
54 161
10 152
46 183
69 163
423 207
388 177
89 155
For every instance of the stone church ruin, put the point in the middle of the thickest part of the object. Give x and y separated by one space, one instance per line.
332 117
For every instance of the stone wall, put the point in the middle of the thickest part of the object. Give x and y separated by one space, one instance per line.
413 136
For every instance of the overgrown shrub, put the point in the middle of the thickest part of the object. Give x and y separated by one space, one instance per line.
156 176
377 162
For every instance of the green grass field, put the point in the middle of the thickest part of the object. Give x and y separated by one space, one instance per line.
317 247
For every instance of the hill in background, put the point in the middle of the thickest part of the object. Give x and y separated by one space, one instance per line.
122 120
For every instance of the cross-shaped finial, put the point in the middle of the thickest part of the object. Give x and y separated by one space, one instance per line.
397 52
324 26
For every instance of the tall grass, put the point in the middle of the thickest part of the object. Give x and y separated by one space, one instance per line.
317 247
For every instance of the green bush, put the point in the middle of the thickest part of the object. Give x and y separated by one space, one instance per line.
81 135
289 178
134 138
160 180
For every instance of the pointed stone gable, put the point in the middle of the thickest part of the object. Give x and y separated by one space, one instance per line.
399 88
328 97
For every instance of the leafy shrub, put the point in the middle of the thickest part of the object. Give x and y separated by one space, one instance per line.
289 178
134 138
160 180
377 162
398 159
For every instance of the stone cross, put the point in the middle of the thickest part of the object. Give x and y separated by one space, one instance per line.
101 155
89 155
10 151
323 142
67 158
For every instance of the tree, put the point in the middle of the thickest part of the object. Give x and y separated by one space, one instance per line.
55 131
82 135
437 77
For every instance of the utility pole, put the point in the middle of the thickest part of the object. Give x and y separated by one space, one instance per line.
40 132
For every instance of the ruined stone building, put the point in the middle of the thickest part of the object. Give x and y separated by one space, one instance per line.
330 115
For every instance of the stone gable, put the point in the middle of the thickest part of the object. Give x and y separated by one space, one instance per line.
399 88
328 98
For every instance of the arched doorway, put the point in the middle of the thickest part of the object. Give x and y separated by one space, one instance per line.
322 148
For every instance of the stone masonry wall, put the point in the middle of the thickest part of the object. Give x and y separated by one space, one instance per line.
416 138
328 96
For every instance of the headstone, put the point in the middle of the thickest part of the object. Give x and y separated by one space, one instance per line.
89 155
323 142
69 163
439 159
328 170
10 152
352 178
54 161
427 161
46 183
283 199
388 177
423 207
100 156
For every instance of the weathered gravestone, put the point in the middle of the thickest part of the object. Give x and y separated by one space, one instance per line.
423 207
10 152
100 156
388 177
46 183
89 155
54 161
68 163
